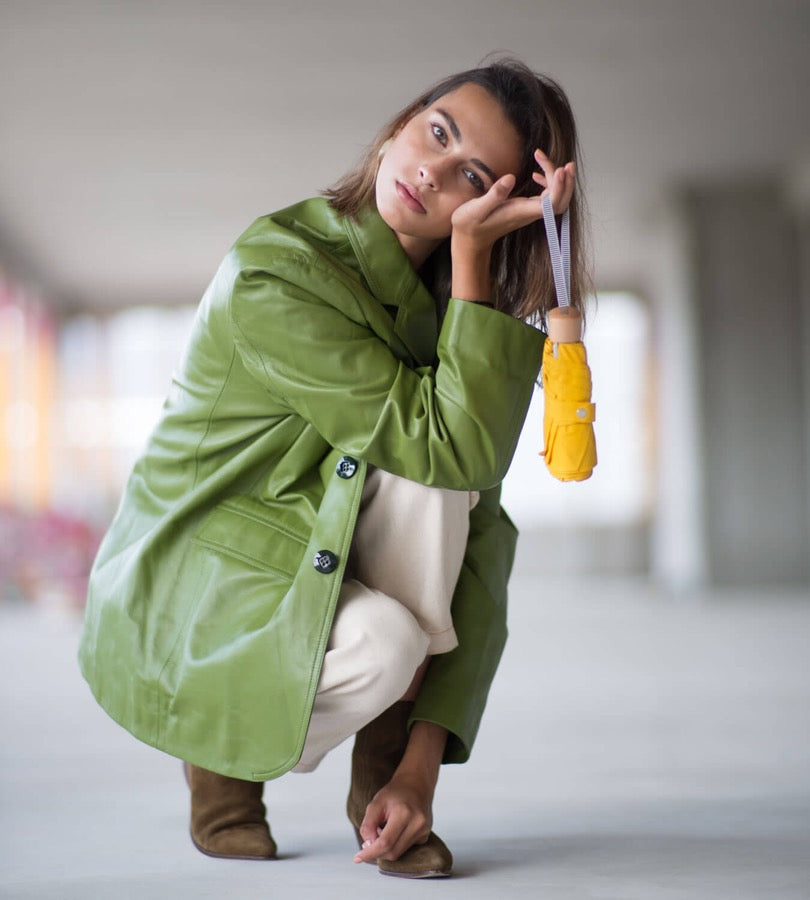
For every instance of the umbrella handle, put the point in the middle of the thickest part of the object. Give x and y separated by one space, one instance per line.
564 325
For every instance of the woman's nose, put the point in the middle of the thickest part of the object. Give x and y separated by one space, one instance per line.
429 175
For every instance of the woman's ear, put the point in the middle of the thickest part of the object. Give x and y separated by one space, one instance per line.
384 148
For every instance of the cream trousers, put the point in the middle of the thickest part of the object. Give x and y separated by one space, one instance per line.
394 604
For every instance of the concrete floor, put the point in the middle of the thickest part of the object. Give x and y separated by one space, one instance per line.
635 746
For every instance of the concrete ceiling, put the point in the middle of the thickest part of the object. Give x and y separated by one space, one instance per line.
139 138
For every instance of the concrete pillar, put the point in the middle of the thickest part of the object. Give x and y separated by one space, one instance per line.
753 404
798 194
804 261
678 557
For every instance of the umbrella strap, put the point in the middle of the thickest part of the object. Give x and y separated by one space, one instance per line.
560 255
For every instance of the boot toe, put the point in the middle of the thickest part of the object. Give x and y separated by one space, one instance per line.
432 859
239 842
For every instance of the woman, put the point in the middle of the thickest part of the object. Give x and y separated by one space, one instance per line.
311 545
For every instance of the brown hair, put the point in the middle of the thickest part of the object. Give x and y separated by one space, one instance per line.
521 268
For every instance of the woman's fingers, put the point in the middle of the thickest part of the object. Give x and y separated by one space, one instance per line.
482 207
373 821
548 167
391 825
502 187
517 212
382 844
402 830
559 182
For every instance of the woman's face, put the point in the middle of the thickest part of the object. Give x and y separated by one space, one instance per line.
451 152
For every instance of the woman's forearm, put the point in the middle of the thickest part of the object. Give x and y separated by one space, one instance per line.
423 755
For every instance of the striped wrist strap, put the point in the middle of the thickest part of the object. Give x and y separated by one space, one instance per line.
560 256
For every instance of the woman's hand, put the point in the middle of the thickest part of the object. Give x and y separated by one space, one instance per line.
398 817
479 223
482 221
400 814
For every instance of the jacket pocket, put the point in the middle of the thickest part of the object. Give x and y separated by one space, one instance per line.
240 566
247 530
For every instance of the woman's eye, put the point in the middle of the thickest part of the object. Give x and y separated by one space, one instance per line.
440 134
474 179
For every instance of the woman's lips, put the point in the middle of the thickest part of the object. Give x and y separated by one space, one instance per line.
409 197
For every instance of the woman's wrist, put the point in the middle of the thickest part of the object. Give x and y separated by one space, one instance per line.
471 279
424 753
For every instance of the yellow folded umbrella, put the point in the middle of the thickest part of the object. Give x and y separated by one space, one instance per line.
570 445
568 416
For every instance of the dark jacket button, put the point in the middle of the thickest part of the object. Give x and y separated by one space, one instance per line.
346 467
325 561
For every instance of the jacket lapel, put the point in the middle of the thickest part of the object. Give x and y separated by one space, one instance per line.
394 283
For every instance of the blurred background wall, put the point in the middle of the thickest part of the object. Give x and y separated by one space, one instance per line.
139 139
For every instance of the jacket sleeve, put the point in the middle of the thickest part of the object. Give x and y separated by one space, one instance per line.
455 688
301 331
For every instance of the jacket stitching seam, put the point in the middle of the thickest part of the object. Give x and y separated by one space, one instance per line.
210 420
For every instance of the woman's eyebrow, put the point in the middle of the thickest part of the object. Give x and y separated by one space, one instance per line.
451 124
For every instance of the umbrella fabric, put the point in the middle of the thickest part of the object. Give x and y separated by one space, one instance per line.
569 414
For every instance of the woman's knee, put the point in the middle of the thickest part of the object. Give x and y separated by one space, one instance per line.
386 640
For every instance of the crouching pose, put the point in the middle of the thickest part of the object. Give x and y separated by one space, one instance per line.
311 546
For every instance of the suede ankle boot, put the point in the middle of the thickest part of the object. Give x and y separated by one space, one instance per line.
228 816
378 750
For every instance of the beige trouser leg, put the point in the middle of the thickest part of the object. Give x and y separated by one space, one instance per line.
394 606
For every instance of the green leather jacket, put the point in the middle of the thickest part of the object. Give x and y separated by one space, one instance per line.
207 616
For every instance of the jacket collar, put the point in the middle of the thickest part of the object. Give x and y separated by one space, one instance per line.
394 282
